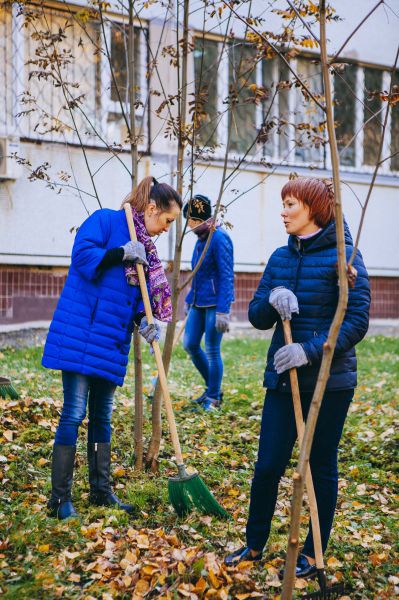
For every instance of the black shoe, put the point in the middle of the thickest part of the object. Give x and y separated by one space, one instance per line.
241 555
60 504
304 570
101 494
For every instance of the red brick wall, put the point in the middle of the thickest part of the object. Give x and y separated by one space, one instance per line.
31 294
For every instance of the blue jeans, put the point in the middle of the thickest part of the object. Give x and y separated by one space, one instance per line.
208 363
77 389
277 439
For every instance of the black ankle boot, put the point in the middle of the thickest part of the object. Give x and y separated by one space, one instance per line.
99 455
60 504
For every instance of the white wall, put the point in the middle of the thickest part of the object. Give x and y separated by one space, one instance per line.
35 220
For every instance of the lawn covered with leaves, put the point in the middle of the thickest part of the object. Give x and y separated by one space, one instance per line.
107 554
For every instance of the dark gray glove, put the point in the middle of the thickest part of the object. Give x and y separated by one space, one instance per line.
149 332
135 252
289 357
222 322
284 301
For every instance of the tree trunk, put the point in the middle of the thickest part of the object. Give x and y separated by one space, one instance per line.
329 346
153 449
138 371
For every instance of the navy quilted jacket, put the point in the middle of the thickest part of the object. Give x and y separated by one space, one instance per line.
311 275
92 325
213 284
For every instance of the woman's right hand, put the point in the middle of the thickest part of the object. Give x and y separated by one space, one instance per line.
284 301
135 252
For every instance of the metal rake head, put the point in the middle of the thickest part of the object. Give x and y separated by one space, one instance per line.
330 592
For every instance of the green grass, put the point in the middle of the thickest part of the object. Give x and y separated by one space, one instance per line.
38 555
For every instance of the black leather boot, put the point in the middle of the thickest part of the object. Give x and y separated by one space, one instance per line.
60 504
101 494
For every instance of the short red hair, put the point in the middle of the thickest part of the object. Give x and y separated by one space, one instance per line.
317 194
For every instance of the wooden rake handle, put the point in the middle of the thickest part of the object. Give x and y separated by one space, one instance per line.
300 427
157 351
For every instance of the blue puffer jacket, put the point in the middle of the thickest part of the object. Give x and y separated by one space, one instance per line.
92 325
311 275
213 284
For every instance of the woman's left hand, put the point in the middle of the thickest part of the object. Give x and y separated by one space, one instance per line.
150 332
290 357
222 322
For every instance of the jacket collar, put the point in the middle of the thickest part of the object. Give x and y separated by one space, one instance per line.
328 237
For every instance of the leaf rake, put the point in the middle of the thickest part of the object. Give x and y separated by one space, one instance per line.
186 490
326 592
7 389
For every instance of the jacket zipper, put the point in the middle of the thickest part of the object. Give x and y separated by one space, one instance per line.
96 462
194 286
298 270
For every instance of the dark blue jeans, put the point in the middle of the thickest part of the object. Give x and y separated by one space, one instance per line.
208 363
277 439
77 390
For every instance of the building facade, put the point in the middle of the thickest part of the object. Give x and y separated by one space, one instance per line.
64 151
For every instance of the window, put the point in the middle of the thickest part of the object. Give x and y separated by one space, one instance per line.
6 72
359 114
74 98
308 116
276 118
344 113
394 145
116 83
253 98
242 113
206 62
371 115
264 130
63 93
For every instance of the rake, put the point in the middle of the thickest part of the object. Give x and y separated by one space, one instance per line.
7 389
326 592
186 490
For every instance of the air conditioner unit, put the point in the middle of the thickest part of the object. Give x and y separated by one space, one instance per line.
9 168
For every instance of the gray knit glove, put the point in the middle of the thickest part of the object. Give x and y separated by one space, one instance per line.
150 332
284 301
135 252
222 322
289 357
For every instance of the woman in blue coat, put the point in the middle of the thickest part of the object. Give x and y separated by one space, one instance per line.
209 299
90 334
300 283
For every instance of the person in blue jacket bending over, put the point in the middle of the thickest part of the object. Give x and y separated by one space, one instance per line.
90 334
300 283
209 299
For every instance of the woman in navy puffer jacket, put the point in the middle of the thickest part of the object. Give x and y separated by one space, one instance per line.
89 336
300 284
209 299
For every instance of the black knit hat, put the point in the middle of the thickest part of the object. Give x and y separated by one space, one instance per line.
200 208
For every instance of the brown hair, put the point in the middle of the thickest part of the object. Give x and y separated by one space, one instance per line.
317 194
149 189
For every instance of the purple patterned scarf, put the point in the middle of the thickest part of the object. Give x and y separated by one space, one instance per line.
160 292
